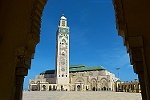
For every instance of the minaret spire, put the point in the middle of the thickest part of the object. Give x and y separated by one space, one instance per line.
63 14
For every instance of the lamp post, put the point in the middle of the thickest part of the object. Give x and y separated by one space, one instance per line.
117 86
118 71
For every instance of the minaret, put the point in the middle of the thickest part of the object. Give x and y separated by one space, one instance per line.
62 54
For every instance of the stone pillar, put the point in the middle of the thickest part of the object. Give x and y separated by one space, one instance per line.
125 88
136 52
20 72
138 68
137 87
81 87
128 87
19 87
75 87
142 84
23 61
38 84
135 47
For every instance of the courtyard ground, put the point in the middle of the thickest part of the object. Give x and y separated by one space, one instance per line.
80 95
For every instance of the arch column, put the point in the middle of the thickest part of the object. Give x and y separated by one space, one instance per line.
133 40
19 79
75 87
142 85
20 27
23 58
137 89
136 52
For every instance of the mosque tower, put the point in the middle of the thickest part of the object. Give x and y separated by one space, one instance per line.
62 54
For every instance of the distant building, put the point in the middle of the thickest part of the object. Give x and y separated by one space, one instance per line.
81 78
73 78
132 86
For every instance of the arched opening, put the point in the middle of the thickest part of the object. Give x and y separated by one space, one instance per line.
94 87
104 88
44 88
50 88
132 24
54 87
104 84
101 52
94 84
62 88
78 88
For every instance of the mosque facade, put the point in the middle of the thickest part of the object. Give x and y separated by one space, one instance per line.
71 78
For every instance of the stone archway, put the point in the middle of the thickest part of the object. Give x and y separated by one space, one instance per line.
20 32
79 84
104 84
78 87
93 84
38 85
54 88
133 40
104 88
50 88
62 88
122 29
136 39
44 87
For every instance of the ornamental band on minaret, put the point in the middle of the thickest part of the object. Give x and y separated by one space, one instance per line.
62 52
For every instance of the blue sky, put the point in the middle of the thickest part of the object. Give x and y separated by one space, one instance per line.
93 38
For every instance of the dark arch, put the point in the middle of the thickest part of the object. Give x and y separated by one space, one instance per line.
78 88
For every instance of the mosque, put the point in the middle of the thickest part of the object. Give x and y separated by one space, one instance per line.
74 77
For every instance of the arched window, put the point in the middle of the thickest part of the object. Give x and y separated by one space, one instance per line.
63 23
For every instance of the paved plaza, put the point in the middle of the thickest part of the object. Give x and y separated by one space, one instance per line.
72 95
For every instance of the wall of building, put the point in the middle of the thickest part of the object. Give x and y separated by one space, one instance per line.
78 81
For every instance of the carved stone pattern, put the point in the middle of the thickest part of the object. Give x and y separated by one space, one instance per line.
19 80
36 17
31 46
24 54
134 45
34 35
23 62
29 54
21 71
138 67
136 52
136 55
136 41
20 51
120 21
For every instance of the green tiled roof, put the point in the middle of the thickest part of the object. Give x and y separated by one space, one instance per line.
77 68
80 68
48 72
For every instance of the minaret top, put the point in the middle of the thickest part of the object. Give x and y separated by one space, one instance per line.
63 17
63 21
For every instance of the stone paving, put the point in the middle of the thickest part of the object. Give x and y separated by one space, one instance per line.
80 95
